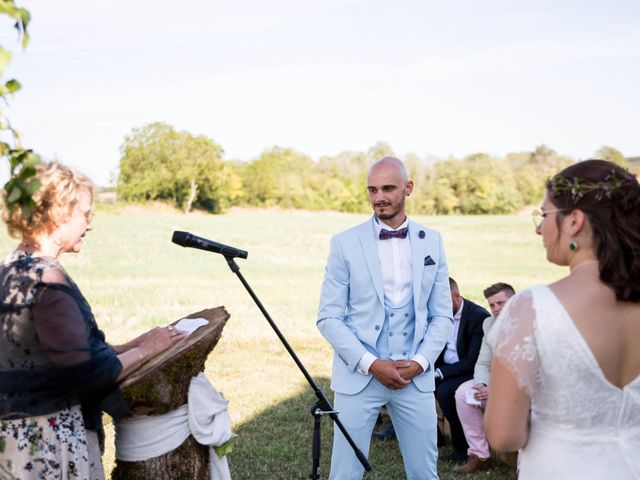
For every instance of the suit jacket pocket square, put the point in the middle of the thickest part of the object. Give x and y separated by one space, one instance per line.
428 261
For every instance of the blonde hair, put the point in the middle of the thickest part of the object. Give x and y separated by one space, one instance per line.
58 193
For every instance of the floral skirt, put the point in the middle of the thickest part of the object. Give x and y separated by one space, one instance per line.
51 447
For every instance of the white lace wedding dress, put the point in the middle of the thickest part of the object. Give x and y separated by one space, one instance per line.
582 426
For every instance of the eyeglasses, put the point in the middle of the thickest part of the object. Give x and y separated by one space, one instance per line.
539 215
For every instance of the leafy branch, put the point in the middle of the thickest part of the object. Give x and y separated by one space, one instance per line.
22 185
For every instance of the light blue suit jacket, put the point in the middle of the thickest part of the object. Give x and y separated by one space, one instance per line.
351 312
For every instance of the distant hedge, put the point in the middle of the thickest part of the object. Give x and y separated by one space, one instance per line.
159 163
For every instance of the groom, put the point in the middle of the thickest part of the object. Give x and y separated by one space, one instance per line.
385 307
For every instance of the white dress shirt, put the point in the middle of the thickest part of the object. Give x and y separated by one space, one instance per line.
395 262
451 350
397 279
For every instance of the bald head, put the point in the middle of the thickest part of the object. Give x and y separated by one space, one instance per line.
388 187
392 163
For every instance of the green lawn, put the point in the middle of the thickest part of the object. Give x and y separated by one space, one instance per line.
135 278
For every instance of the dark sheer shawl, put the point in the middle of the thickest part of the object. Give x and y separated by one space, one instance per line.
52 354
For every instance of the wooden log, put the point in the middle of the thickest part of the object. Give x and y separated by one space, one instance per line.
161 385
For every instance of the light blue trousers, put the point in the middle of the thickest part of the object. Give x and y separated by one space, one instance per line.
414 417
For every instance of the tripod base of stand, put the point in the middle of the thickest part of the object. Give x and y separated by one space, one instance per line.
317 412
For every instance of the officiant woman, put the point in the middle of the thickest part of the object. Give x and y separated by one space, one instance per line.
55 365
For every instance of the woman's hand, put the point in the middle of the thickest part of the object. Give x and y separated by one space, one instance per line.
133 343
158 339
151 343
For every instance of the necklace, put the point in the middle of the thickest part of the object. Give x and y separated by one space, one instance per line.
28 246
582 264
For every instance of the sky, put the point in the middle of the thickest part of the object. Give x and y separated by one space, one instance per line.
430 77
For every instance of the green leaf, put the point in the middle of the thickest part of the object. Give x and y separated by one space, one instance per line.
226 447
14 195
25 39
27 210
5 58
13 85
33 186
14 160
31 160
26 172
9 8
20 155
17 158
25 16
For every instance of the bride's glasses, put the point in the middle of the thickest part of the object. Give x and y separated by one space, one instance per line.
539 215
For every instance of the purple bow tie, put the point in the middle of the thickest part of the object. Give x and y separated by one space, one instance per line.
385 234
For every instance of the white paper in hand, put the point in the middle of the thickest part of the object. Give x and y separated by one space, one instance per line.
190 325
470 398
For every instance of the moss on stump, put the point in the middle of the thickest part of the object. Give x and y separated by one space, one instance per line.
161 385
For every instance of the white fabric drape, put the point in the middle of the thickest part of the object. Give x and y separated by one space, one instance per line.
205 416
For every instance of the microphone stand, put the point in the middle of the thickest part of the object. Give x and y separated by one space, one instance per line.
322 406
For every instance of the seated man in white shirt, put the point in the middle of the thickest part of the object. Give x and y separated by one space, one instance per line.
455 364
471 396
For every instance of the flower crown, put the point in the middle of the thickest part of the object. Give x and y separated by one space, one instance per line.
578 188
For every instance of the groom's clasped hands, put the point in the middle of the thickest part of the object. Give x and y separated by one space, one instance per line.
395 374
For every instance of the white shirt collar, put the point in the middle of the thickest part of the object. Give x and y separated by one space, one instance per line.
458 315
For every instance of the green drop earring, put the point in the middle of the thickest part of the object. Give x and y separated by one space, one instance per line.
573 246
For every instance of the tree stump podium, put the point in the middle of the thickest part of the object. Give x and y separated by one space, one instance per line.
162 385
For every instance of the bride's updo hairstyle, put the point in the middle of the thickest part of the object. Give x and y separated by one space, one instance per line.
610 197
54 200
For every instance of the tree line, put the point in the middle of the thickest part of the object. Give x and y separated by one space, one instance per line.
160 163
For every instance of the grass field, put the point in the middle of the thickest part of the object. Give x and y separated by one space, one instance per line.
135 278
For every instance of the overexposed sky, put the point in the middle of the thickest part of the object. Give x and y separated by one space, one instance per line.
435 77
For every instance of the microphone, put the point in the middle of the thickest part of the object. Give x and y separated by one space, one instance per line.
185 239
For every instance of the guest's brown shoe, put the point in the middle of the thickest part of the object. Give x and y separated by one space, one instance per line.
473 464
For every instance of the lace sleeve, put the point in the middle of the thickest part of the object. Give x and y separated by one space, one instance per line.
59 323
513 341
60 327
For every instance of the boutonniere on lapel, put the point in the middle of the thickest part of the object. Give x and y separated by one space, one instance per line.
428 261
421 233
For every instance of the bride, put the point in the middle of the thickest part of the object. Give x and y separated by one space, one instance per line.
565 382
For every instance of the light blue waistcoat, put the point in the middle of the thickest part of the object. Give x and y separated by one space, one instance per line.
396 337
